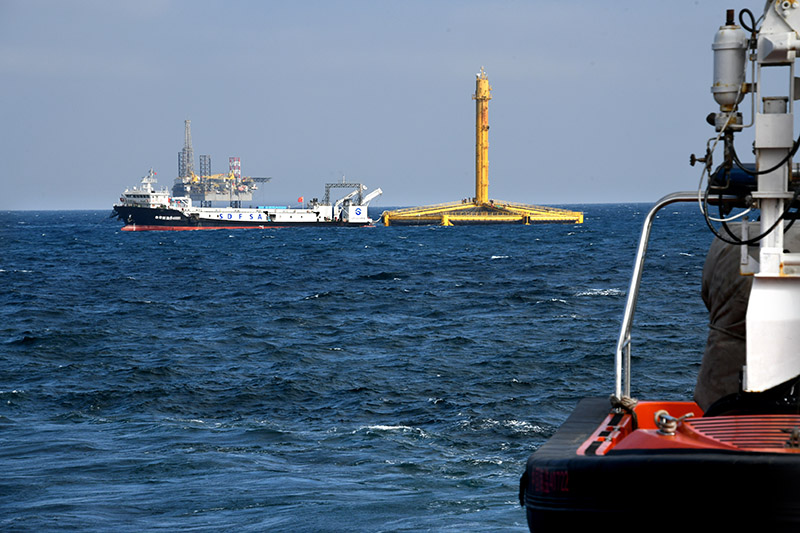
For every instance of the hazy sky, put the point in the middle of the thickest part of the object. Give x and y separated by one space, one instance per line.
593 102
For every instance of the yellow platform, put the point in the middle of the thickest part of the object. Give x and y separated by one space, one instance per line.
480 209
493 212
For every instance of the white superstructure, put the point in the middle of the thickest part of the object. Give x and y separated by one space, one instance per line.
146 194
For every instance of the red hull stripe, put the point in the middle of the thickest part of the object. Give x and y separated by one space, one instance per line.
140 227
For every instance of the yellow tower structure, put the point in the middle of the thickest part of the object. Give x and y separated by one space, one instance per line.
483 93
480 209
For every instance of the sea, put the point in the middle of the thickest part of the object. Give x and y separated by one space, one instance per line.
374 379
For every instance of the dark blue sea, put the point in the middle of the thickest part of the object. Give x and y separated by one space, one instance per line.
317 379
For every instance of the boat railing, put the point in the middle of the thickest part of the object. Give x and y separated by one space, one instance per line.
623 353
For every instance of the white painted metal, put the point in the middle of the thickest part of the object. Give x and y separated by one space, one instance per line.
773 313
773 332
729 48
371 196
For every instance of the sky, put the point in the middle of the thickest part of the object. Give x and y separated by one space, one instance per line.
592 102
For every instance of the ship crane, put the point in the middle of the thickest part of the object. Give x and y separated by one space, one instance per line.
337 207
326 199
368 198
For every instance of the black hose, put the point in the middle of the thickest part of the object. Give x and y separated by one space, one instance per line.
735 240
752 27
783 161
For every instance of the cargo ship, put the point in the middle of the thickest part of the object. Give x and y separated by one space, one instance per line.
146 208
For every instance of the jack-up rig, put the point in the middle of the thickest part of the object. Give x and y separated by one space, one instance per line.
206 187
480 209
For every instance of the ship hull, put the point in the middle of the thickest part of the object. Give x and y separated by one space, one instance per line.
138 218
563 489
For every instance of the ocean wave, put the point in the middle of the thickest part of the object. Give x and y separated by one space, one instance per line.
381 276
300 372
386 429
600 292
524 427
552 301
318 295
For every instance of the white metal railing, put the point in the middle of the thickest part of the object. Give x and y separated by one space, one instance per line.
623 353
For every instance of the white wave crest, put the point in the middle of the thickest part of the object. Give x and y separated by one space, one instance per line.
600 292
385 428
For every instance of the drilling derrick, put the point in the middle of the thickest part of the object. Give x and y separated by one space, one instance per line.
480 209
232 188
186 156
